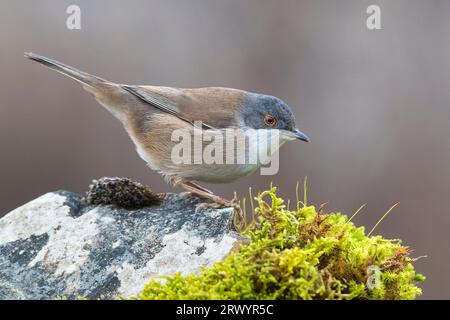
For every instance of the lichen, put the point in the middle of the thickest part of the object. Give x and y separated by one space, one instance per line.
301 254
121 192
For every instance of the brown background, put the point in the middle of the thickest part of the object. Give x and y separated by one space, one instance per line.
375 103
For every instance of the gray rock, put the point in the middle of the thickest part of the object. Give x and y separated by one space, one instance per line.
58 246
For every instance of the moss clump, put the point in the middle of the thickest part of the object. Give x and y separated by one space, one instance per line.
121 192
301 254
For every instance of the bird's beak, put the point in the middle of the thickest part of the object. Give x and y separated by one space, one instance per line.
300 135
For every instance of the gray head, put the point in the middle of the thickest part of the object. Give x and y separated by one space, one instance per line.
267 112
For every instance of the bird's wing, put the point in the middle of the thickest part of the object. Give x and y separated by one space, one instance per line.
161 102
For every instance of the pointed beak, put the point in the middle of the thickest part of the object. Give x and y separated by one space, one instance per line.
300 135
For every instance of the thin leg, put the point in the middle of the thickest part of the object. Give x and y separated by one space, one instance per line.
197 186
206 195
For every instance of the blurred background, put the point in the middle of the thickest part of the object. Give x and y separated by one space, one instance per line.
376 104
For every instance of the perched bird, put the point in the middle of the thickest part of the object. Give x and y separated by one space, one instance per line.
150 114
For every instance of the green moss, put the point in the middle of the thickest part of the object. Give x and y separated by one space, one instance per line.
303 254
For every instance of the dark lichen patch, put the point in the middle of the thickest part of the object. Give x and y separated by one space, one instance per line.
73 201
123 193
303 254
22 251
200 250
107 290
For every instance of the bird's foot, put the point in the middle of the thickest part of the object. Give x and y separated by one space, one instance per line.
217 202
225 204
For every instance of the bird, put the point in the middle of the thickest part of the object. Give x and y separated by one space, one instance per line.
151 114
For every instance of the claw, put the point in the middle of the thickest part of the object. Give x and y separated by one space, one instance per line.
228 204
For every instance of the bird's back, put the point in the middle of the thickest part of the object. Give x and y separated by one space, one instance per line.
216 106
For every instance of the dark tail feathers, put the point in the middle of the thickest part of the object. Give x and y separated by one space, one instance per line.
80 76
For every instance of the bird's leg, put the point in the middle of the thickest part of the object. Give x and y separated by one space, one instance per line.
197 186
206 194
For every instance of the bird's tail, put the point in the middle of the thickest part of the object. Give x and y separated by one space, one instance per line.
108 94
84 78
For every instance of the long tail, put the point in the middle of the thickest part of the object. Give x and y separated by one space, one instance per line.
108 94
84 78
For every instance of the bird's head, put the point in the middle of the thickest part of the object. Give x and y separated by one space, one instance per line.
267 112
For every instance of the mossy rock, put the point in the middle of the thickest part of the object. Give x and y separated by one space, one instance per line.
302 254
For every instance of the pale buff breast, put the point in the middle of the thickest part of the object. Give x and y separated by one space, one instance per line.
160 140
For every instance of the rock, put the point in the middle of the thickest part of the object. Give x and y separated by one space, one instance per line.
58 246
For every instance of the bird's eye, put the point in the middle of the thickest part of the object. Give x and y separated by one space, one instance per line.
270 120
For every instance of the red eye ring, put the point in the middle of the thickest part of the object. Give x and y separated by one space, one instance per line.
270 120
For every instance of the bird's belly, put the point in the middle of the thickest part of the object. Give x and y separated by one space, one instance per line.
217 173
147 158
213 173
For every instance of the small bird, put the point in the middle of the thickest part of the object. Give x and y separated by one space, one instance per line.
150 114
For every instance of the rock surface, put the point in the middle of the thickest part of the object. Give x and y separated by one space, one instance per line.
57 246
